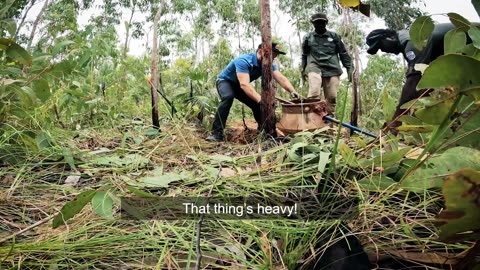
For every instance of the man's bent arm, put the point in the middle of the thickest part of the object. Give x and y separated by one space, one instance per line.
244 79
283 81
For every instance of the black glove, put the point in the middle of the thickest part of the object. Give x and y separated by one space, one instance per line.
294 94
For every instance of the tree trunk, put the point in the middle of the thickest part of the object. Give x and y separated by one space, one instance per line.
127 34
154 85
35 24
355 81
20 25
268 91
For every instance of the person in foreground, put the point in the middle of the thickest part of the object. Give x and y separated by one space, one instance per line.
322 51
234 82
390 41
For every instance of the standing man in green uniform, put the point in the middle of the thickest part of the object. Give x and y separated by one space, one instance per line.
322 51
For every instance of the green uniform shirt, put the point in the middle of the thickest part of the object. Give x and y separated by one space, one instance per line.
323 53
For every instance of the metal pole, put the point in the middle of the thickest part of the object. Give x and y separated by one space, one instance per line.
354 128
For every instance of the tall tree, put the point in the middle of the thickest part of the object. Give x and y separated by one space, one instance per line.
267 106
397 14
154 78
35 24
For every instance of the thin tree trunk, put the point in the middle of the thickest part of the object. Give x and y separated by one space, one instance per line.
268 91
355 82
127 34
20 25
35 24
154 86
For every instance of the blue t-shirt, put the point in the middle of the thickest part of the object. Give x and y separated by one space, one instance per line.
245 63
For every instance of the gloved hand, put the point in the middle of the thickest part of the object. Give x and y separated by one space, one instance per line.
350 74
294 94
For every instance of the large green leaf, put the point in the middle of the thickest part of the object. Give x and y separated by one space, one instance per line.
435 114
455 41
43 140
15 52
72 208
102 204
435 169
42 89
474 33
471 51
462 214
459 21
420 31
376 183
121 161
161 180
59 46
469 126
452 70
348 155
10 26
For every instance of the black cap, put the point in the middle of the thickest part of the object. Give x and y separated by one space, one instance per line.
318 16
275 48
375 37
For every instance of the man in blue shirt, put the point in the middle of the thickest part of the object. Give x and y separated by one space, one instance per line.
234 82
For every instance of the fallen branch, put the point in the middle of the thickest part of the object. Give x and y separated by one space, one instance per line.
38 223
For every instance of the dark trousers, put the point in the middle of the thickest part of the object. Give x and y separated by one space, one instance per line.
409 92
228 91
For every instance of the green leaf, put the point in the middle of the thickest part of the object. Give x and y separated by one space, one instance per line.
462 192
420 31
451 70
221 158
474 33
435 169
471 51
141 193
72 208
42 89
390 158
459 21
15 52
11 26
434 115
162 180
43 140
102 204
376 183
323 161
68 157
416 128
117 161
59 46
151 132
348 155
455 41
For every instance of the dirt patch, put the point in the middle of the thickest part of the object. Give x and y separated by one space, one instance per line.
242 132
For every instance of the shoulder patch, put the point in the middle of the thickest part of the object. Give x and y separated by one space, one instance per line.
330 39
410 55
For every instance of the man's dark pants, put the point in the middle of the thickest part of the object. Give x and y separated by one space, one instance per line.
409 92
228 91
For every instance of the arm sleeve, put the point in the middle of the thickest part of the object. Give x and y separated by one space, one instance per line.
241 66
305 52
342 52
274 67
